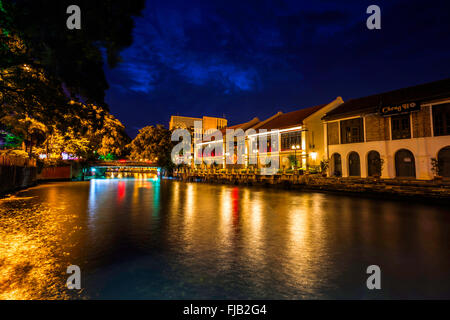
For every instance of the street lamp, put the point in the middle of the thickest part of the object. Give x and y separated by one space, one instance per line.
295 148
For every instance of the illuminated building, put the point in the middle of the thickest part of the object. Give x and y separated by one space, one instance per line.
397 132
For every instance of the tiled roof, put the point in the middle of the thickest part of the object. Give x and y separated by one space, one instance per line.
290 119
371 104
244 126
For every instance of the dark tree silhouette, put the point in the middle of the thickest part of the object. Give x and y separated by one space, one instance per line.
45 68
73 56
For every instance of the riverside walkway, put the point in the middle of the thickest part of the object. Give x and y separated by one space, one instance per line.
393 188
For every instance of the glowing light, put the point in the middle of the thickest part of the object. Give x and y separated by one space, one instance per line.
120 191
209 142
235 206
314 155
276 131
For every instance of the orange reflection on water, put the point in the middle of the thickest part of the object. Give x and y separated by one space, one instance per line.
35 242
225 216
213 241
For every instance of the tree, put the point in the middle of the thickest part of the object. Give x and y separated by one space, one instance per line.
91 133
75 57
32 131
111 139
69 142
26 88
45 68
9 140
154 144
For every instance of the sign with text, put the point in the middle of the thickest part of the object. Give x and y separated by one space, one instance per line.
398 109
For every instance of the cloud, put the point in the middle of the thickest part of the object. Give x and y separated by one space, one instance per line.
253 58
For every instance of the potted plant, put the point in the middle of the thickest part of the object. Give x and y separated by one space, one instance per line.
378 164
436 169
324 167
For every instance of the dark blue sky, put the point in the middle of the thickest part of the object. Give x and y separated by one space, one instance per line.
254 58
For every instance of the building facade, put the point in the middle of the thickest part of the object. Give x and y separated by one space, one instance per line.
208 125
219 154
294 139
299 137
403 133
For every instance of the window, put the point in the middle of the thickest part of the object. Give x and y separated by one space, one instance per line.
352 131
290 139
441 119
265 142
401 128
267 145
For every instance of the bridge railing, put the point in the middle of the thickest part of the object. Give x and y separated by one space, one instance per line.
125 163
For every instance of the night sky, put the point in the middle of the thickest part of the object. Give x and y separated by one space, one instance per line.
244 59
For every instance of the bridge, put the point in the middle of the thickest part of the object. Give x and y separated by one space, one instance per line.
125 164
124 168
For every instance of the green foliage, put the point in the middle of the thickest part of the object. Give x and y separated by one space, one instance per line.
436 167
153 144
74 58
324 165
42 63
293 160
14 152
314 169
108 157
93 134
10 140
378 164
30 129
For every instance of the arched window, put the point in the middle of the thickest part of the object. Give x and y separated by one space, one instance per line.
444 162
405 164
336 165
374 164
354 165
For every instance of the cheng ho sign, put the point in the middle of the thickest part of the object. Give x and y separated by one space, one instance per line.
399 109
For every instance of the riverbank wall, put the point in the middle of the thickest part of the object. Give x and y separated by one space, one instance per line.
386 188
60 173
16 173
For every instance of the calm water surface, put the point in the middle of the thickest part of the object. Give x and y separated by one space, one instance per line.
145 239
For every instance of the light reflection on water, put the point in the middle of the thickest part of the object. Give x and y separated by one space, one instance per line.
146 238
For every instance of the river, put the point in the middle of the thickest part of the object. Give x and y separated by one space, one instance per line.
163 239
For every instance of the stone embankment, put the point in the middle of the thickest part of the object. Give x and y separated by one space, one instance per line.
16 173
391 188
